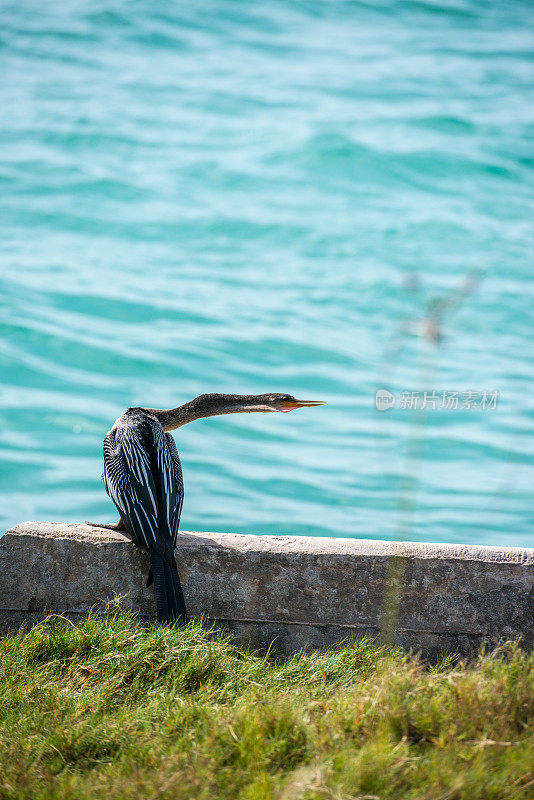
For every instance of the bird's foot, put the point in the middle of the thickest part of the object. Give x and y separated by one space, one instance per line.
118 526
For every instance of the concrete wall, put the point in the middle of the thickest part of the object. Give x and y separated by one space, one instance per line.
299 591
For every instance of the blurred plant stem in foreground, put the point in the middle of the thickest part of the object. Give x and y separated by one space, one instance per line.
429 334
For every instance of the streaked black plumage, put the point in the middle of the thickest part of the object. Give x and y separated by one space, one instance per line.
143 477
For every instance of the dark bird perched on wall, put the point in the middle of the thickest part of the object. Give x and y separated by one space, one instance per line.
143 477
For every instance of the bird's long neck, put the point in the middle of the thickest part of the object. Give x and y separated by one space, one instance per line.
206 405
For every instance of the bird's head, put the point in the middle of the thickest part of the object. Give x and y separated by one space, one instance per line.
276 402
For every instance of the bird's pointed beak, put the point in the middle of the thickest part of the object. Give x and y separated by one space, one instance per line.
291 405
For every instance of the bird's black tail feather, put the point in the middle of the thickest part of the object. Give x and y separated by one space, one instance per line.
170 605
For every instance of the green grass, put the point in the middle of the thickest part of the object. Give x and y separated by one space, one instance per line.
109 709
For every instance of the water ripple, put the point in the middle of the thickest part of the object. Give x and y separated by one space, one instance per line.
239 198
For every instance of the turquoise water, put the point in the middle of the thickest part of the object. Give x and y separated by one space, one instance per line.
252 197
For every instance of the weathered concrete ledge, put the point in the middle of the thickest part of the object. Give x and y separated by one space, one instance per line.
294 590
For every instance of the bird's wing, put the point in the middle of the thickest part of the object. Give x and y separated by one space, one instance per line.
130 484
169 473
177 467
